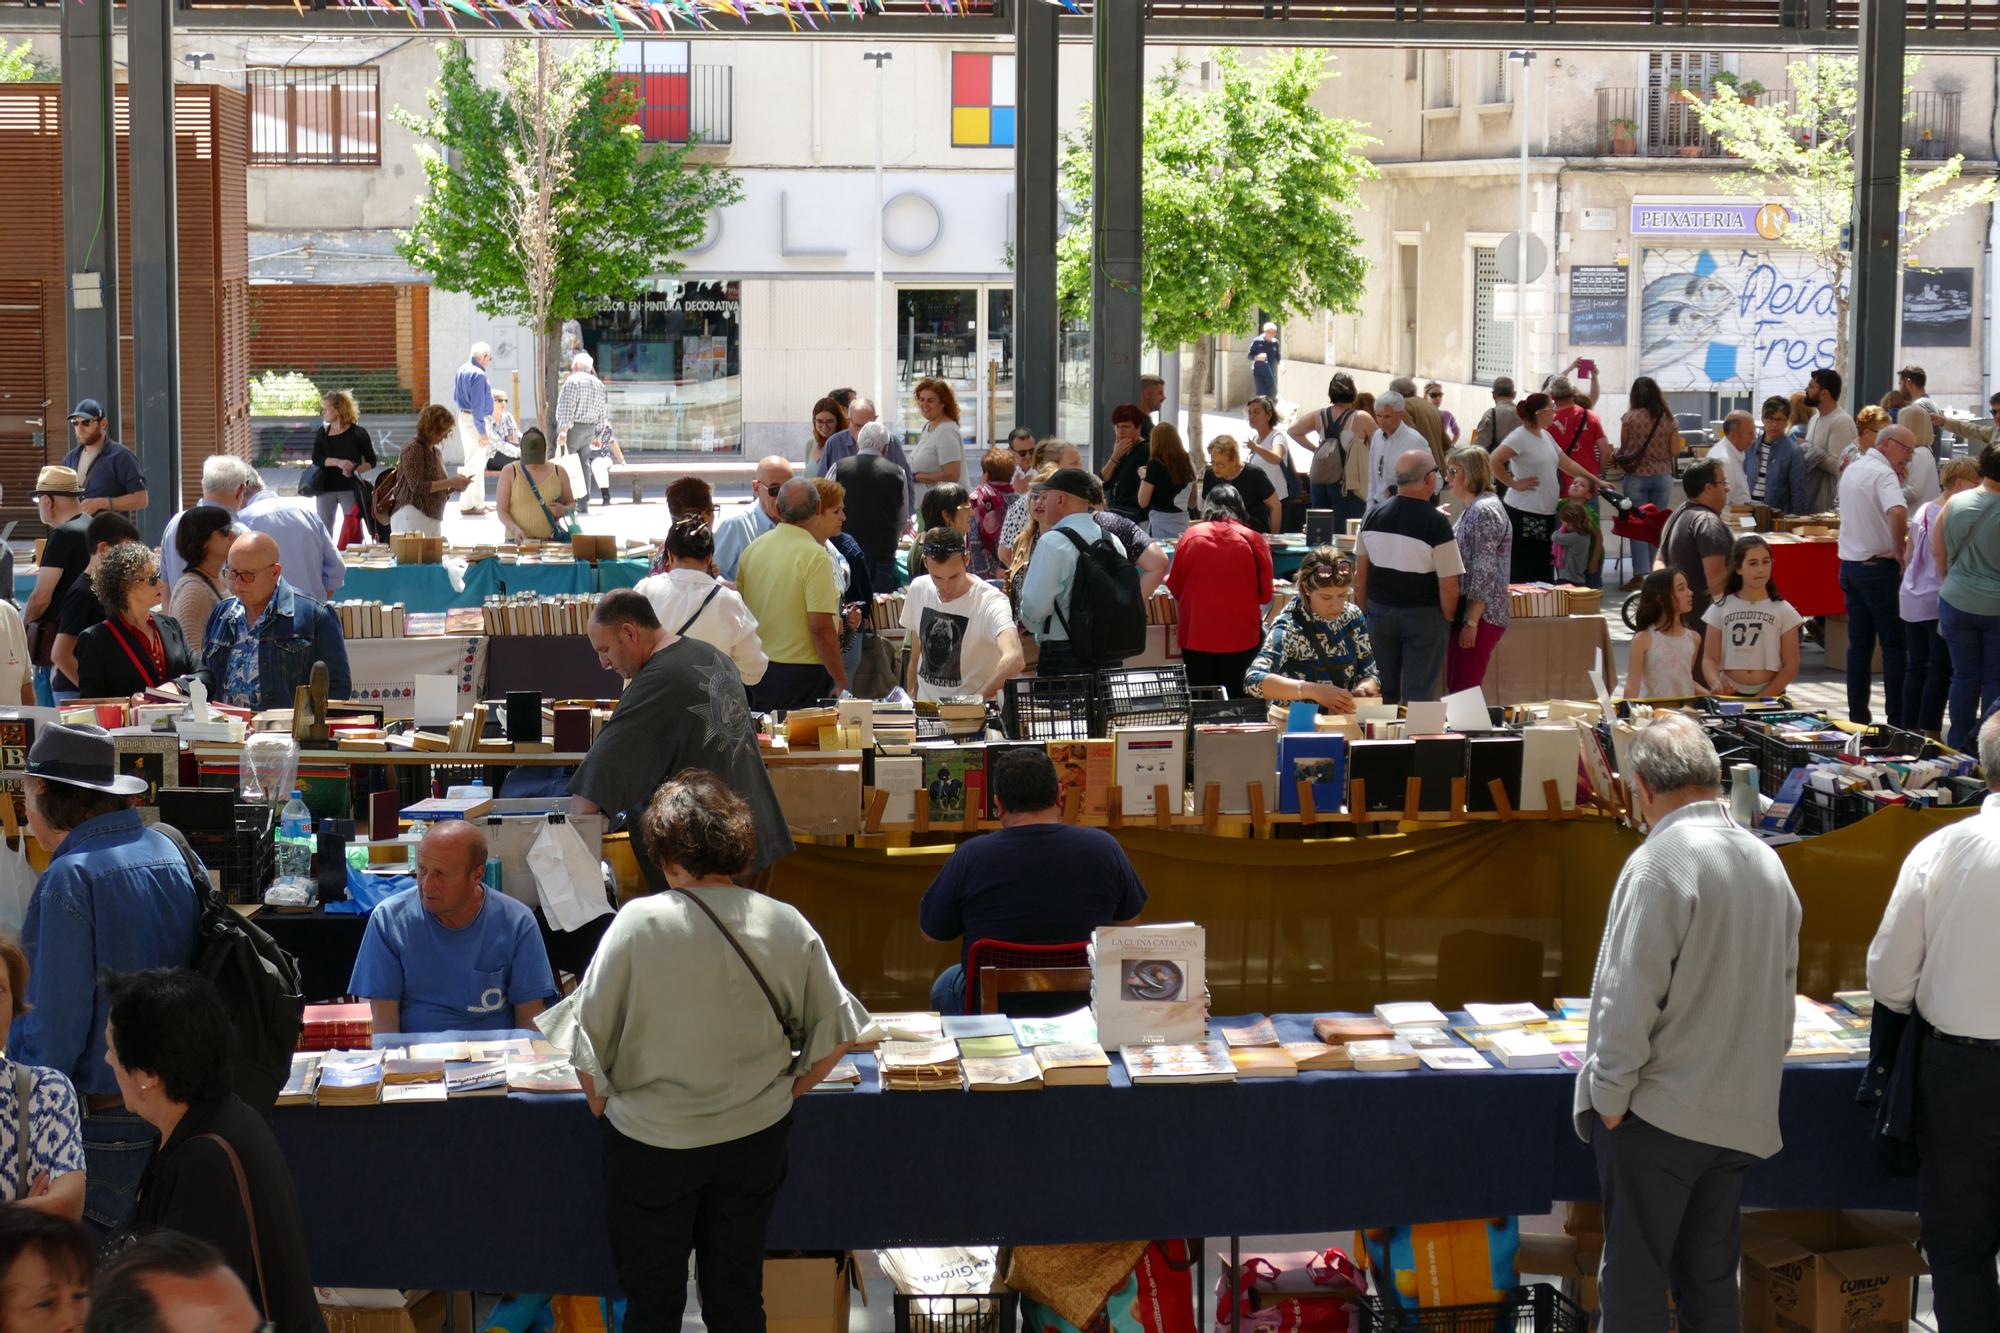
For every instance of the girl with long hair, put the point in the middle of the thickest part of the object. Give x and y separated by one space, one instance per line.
1751 645
1166 481
1666 645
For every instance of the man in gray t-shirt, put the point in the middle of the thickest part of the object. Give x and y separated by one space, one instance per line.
1696 540
683 707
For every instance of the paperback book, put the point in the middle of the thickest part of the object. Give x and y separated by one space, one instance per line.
1063 1030
1370 1057
1149 984
1311 1056
1454 1058
1073 1064
1178 1062
1014 1073
1262 1062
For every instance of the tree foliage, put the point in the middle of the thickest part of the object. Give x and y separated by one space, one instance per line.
544 199
20 64
1801 149
1249 193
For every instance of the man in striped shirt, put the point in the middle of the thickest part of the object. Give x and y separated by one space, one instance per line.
583 427
1406 576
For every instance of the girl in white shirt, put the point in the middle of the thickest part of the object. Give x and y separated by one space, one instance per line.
691 601
1664 649
1751 645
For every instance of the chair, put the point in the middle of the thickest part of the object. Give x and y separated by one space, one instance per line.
1059 968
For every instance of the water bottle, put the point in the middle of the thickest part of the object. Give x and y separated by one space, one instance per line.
295 843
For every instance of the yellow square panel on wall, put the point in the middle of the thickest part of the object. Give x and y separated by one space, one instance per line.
971 126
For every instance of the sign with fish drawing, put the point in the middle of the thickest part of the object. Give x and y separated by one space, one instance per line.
1937 307
1733 320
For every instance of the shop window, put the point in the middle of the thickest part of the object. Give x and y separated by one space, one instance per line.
671 362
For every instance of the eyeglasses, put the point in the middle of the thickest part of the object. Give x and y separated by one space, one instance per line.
154 578
1436 397
245 575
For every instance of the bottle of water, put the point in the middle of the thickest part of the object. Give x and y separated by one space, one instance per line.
295 843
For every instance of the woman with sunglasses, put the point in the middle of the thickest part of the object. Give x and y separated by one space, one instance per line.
1318 649
1486 544
1435 393
136 646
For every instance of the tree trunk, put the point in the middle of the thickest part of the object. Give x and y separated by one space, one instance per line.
1842 300
548 358
1203 358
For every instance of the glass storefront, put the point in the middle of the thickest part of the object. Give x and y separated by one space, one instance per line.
965 337
671 362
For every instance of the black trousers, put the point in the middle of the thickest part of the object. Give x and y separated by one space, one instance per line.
1958 1185
1672 1219
1224 669
789 685
714 1202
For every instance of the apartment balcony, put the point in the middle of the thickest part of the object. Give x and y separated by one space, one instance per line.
1658 122
679 105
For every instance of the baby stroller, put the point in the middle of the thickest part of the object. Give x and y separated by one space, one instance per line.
1635 523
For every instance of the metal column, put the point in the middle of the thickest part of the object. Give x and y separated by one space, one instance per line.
1877 275
1118 85
149 40
90 215
1037 321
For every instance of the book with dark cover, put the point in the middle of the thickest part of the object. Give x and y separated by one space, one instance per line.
17 737
1316 757
524 715
1440 761
1487 758
1383 768
572 729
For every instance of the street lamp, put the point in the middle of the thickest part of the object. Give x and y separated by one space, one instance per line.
1527 59
878 59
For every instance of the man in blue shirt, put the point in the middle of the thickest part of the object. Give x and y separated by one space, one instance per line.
110 472
472 395
117 897
1002 886
734 534
449 955
1264 357
1062 503
262 642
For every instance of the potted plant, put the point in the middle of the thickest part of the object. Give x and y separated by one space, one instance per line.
1722 79
1624 135
1750 90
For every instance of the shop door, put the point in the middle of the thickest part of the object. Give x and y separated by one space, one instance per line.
937 337
997 375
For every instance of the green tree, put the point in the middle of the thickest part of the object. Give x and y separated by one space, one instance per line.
545 201
20 64
1800 149
1249 194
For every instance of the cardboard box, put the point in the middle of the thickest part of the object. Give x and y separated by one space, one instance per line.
1825 1272
419 1312
822 799
1584 1219
808 1294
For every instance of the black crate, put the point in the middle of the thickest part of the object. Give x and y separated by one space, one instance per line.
245 861
993 1312
1778 755
1142 697
1047 708
1532 1309
1824 811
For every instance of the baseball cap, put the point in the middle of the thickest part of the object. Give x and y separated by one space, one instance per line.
1070 481
55 479
87 409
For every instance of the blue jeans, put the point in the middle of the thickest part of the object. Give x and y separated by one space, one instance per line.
1647 491
1975 671
885 575
1929 677
117 1148
1332 495
1873 612
1410 644
948 991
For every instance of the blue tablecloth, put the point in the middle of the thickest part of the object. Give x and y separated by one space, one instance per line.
428 587
505 1193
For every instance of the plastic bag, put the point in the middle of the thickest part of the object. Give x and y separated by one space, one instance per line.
945 1271
567 877
17 883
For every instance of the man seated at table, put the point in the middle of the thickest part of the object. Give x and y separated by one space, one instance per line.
263 641
449 955
1035 881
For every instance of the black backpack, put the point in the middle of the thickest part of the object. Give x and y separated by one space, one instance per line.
1107 617
259 984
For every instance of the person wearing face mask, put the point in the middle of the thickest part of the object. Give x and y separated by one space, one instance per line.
136 646
45 1271
1319 648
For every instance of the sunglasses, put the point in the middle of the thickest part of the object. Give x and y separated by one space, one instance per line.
244 575
771 488
1323 576
1435 397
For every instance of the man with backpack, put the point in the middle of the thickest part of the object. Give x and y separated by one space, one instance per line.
1339 477
1081 597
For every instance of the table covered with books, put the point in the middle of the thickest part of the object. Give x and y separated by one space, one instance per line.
432 587
505 1193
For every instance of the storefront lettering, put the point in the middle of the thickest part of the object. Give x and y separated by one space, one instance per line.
1667 219
1774 303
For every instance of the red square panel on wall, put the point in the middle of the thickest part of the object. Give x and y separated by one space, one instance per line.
971 79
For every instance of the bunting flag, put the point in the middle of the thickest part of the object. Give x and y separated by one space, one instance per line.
658 15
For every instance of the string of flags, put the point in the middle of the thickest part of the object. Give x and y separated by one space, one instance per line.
549 16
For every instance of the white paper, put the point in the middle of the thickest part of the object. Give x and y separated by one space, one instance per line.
1424 719
567 878
436 700
1466 710
1597 683
1366 711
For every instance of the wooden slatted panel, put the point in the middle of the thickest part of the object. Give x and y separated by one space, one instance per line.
23 391
369 338
31 263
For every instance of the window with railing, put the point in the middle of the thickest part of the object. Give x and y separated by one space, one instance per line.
1658 120
1440 80
679 102
316 117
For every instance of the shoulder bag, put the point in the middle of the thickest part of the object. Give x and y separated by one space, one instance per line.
682 631
794 1036
249 1215
557 528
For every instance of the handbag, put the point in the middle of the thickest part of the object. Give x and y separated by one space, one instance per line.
249 1215
875 674
1627 459
795 1037
312 479
556 526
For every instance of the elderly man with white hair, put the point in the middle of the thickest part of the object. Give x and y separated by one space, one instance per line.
1264 360
1394 436
877 504
1690 1019
472 395
583 431
1874 531
225 482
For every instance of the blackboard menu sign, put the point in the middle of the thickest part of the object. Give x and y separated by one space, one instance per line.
1598 297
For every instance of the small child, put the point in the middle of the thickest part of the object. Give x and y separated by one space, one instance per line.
1579 553
1664 649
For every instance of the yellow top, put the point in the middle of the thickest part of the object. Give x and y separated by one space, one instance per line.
521 506
785 576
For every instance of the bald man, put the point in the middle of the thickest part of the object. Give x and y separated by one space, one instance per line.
734 534
1406 574
1874 527
451 955
263 640
1739 432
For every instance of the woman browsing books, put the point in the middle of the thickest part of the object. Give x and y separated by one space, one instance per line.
1751 646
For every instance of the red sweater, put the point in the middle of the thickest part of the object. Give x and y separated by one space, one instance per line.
1220 579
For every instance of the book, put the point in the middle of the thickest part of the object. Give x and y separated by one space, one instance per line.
954 778
843 1077
299 1084
994 750
17 737
540 1076
403 1070
1149 984
1811 1046
1144 758
899 776
440 1050
413 1092
901 1027
1426 1038
1073 1064
919 1066
1858 1002
1316 758
1505 1015
337 1027
448 807
1178 1062
1014 1073
1549 753
1456 1057
1257 1032
1410 1014
1339 1029
1574 1006
1439 761
1064 1030
1311 1056
960 1026
1809 1015
350 1078
988 1048
1371 1057
1518 1048
1234 758
1254 1062
1084 767
476 1078
1384 768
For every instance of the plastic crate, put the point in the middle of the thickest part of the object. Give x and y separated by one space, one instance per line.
1047 708
1778 755
1824 811
1142 697
1247 709
1532 1309
245 861
988 1312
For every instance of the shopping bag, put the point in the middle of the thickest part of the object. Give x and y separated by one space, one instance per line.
1155 1296
1435 1264
1302 1291
567 877
935 1278
17 882
350 527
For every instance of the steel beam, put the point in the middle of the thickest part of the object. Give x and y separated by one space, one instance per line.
1874 304
156 360
1118 84
90 214
1037 321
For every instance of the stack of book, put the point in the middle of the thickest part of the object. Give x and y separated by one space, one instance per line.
535 614
371 620
1073 1065
1160 609
476 1078
299 1084
1255 1051
900 1027
919 1066
887 612
407 1080
350 1078
337 1027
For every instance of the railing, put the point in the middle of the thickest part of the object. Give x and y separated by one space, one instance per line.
1673 128
1930 130
679 104
316 117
